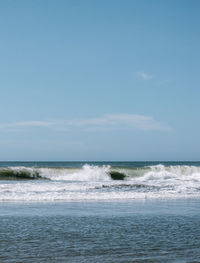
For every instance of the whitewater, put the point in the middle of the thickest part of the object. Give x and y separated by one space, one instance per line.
52 182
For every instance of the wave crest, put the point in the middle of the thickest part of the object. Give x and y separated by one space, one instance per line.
95 183
18 174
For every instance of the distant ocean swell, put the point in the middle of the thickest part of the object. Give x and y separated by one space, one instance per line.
99 182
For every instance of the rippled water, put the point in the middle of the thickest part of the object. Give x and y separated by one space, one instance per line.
149 231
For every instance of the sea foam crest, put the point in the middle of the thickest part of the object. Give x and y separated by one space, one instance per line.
95 183
180 178
86 173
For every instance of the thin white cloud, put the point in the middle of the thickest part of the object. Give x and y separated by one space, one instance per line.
25 124
117 121
106 122
143 75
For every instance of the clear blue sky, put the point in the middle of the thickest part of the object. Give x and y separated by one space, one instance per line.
99 80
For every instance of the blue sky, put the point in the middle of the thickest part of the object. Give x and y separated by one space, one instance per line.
99 80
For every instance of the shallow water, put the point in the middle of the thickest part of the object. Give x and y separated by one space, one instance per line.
134 231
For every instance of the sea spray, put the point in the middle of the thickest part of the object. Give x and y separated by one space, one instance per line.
95 182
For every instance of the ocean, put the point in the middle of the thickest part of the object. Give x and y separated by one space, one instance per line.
100 212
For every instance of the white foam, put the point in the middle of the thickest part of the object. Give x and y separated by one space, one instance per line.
86 173
94 183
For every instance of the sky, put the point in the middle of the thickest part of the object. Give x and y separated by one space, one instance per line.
105 80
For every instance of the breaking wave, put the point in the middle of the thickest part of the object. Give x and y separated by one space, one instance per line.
86 173
104 182
18 174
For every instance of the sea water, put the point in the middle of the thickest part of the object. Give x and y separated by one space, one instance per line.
76 212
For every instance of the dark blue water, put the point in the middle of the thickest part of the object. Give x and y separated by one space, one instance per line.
80 164
148 231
